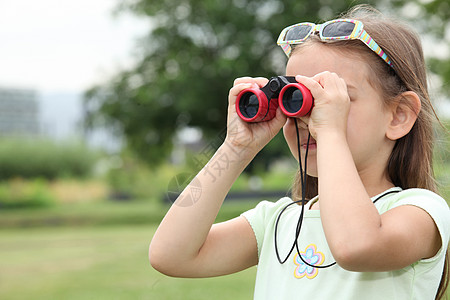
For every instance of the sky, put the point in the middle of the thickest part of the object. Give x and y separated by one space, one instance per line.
61 48
57 45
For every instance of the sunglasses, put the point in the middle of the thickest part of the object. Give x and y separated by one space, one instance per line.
340 29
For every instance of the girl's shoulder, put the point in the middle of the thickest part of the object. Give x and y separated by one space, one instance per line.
432 203
266 209
422 198
263 214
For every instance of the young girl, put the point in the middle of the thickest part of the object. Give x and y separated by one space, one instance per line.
375 227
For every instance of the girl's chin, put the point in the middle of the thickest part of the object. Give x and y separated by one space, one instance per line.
311 166
311 170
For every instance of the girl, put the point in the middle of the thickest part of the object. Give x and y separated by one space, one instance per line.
374 228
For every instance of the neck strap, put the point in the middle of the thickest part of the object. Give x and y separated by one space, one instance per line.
385 194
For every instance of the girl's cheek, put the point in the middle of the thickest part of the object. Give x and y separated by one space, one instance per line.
287 130
289 135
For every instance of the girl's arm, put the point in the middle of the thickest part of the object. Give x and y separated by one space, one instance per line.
187 244
359 237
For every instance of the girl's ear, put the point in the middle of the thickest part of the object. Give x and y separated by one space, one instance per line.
404 114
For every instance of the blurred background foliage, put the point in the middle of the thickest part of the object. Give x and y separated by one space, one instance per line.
195 49
45 158
30 167
187 64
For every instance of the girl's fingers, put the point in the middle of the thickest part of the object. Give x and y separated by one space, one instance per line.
235 90
330 80
242 80
323 80
312 84
325 84
279 120
259 81
243 83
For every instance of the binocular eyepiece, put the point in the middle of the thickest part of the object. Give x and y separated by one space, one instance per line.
257 105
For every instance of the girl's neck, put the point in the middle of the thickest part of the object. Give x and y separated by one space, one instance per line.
376 181
376 189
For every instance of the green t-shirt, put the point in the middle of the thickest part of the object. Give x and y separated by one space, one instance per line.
296 280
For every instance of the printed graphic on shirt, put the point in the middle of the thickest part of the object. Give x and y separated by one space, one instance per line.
312 257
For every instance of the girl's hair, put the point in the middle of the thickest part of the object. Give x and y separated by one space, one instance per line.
410 163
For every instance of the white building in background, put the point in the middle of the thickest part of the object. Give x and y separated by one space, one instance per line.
19 112
57 116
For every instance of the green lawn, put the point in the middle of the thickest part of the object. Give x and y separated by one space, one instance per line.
104 262
99 251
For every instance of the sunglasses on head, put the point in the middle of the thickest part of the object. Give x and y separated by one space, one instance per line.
340 29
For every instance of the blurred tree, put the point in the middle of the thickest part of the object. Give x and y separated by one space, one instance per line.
432 18
187 64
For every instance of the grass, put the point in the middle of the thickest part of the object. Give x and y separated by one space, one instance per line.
98 250
102 262
98 263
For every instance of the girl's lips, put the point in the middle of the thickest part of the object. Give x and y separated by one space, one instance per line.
312 143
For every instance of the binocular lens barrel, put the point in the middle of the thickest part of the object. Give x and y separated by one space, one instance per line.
295 100
252 106
249 105
292 100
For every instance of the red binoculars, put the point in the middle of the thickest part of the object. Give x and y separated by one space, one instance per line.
257 105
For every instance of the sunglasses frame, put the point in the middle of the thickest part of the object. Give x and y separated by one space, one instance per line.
358 33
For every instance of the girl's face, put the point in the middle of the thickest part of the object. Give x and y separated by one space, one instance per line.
367 119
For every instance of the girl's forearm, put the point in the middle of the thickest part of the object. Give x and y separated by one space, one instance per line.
349 218
185 227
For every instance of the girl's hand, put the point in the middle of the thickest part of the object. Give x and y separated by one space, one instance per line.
331 103
249 138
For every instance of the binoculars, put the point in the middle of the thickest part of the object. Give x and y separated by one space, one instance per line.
257 105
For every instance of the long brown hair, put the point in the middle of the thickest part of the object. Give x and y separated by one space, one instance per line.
411 162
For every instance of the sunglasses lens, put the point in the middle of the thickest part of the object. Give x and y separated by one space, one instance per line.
338 29
298 32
